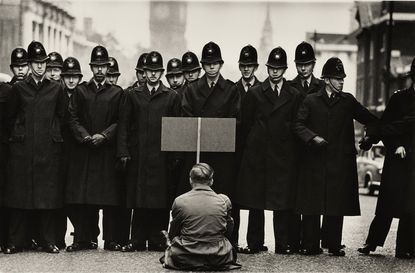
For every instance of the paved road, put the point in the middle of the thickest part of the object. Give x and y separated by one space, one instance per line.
355 231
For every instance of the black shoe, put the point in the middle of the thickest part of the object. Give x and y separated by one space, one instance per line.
77 246
248 250
34 245
404 255
324 245
366 248
131 247
51 248
263 248
61 245
337 252
284 251
12 249
112 246
310 251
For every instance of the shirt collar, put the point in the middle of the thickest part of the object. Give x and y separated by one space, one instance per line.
149 87
306 80
279 85
96 83
215 81
244 83
37 81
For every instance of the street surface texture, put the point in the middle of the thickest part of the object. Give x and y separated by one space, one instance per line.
354 234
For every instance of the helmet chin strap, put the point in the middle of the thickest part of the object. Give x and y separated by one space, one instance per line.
333 87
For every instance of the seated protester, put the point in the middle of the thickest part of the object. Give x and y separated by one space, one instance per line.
200 227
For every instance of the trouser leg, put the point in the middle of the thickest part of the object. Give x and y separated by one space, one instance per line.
311 232
4 226
48 225
236 215
138 228
19 225
404 235
85 220
61 228
256 225
378 231
333 231
159 221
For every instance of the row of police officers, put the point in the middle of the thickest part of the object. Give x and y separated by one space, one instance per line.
71 148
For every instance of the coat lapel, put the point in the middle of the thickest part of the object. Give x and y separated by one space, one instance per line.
283 97
268 92
205 90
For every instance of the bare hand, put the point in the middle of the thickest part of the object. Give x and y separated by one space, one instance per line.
319 141
401 152
87 139
97 139
124 160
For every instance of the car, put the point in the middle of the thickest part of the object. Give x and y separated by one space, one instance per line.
369 167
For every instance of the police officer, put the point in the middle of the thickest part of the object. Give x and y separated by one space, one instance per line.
139 71
270 156
328 183
148 173
174 74
35 185
248 64
211 96
19 64
190 66
396 193
92 182
4 221
113 72
54 66
305 61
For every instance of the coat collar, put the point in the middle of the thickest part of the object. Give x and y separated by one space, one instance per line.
200 187
205 89
323 95
284 96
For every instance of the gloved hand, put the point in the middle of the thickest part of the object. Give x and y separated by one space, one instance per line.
319 142
365 143
87 139
401 152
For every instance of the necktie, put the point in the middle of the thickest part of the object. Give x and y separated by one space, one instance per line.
212 84
99 85
276 91
152 91
332 96
305 85
248 85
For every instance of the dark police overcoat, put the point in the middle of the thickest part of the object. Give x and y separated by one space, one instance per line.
92 175
221 101
148 174
267 176
328 182
315 85
35 116
4 92
396 195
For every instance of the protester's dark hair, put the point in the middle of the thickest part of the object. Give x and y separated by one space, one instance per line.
201 173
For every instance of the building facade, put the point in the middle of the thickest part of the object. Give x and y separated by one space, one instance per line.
23 21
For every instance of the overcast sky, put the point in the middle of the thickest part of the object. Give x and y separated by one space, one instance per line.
231 24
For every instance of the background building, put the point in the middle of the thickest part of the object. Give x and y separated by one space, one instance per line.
23 21
375 42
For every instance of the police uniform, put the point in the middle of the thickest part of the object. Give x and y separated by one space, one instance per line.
304 54
139 68
92 182
190 63
256 219
35 186
174 67
221 100
148 174
327 182
18 58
